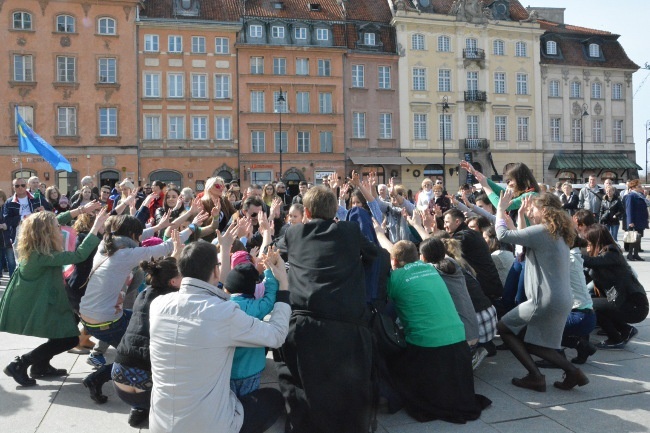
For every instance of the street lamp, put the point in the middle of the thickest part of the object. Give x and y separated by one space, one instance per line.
281 102
445 107
582 141
647 126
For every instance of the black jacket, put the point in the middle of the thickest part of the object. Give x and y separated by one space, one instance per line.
611 211
570 203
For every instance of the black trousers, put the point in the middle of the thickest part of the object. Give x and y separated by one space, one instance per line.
614 320
262 408
43 354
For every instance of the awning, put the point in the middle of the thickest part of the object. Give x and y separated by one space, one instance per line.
606 161
379 160
423 160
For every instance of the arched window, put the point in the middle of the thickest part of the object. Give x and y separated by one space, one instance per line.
65 24
22 21
417 42
167 176
225 175
106 26
551 48
67 182
109 177
25 173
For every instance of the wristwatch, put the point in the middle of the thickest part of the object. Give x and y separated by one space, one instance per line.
193 227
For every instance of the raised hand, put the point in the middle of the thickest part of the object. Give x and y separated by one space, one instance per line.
355 178
178 245
196 205
91 207
202 216
334 180
505 199
228 237
100 219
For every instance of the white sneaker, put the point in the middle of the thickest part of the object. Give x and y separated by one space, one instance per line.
478 356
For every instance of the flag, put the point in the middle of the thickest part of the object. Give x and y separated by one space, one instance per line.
31 142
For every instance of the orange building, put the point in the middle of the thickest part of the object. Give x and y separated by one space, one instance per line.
71 71
187 70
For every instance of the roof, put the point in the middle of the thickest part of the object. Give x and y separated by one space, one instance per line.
368 10
568 28
605 161
209 10
517 11
328 10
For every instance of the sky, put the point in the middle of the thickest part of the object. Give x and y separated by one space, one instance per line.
629 19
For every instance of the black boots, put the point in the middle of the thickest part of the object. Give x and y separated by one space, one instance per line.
18 370
633 254
585 350
137 417
94 384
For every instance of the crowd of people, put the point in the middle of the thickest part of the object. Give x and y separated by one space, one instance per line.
192 289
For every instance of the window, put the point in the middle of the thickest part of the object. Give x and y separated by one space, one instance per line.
472 81
324 69
358 79
151 43
302 102
384 77
304 142
222 86
199 86
556 123
108 122
108 70
385 125
175 44
594 50
420 127
300 33
258 144
176 128
223 128
358 125
221 45
522 84
302 66
152 128
22 21
596 90
257 102
27 113
257 65
198 45
151 85
521 49
369 39
67 121
522 128
472 127
175 86
65 69
106 26
445 127
617 91
444 44
417 42
500 82
255 31
199 128
597 130
322 34
280 106
576 130
499 48
279 66
325 103
551 48
419 79
281 139
444 80
65 24
554 88
617 131
471 44
277 32
576 89
23 68
500 128
326 142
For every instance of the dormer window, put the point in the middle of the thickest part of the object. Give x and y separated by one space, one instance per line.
551 48
322 35
255 31
187 8
278 5
369 39
277 32
594 50
314 7
300 33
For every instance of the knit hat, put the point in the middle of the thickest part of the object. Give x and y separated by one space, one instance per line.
63 201
242 279
239 258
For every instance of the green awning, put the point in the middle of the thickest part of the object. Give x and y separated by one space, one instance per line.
606 161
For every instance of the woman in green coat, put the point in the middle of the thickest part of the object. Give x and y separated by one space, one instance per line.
35 302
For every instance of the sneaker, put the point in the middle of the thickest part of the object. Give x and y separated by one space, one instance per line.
611 346
96 360
478 356
631 333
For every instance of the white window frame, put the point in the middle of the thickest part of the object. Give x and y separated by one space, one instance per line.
257 101
152 127
176 127
498 47
596 90
300 33
65 24
551 48
324 68
576 130
500 83
151 43
417 42
358 76
369 39
597 130
221 45
556 129
617 131
358 124
280 106
222 86
303 142
523 128
66 69
617 91
199 128
257 65
151 88
255 31
386 125
176 85
108 122
303 103
322 34
223 128
444 80
277 32
444 44
281 139
199 86
302 66
446 120
384 78
107 69
420 126
198 45
326 139
522 83
554 89
521 49
106 26
500 128
325 103
258 142
174 44
472 81
594 50
23 70
473 130
575 88
279 66
66 121
419 79
23 19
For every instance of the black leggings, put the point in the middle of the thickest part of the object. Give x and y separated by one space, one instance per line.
614 320
262 408
43 354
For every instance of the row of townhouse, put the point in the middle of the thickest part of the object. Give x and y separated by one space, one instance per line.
181 90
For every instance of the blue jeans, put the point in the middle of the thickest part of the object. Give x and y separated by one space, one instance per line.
613 229
7 255
111 334
244 386
579 324
514 292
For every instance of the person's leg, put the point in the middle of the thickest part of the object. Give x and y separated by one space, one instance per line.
637 247
11 261
535 379
606 316
41 356
521 290
262 408
614 231
510 286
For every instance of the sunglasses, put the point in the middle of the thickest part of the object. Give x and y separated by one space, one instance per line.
253 215
20 185
217 186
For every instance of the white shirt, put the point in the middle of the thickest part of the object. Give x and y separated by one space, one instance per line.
25 210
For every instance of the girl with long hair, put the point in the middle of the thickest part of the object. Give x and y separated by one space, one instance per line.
269 194
170 203
216 204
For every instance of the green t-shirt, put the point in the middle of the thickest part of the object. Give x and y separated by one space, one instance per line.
424 306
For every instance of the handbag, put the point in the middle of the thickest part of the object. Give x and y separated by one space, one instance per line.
388 335
631 237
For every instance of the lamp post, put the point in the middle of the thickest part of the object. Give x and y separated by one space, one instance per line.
281 101
582 141
647 126
445 107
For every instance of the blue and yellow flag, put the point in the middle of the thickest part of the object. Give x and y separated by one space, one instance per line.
31 142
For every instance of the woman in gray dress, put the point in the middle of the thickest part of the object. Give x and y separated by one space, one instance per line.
535 327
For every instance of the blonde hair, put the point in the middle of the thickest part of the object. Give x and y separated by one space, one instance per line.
38 234
84 223
556 220
454 250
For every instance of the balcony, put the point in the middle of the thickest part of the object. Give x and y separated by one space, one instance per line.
475 55
475 96
476 144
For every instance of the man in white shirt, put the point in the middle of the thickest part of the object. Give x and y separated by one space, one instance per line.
194 333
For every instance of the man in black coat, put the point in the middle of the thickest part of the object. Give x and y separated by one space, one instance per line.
325 376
